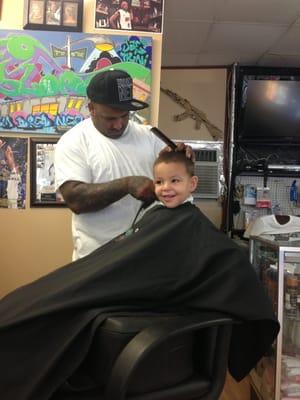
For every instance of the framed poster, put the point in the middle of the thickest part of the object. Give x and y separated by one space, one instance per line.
42 174
53 15
132 15
13 167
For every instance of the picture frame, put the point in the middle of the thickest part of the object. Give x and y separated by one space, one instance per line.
132 15
13 172
42 174
53 15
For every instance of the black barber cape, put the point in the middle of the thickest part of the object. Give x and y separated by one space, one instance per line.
175 259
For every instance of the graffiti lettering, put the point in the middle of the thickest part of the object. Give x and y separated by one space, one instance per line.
67 120
20 77
71 83
22 47
134 51
40 121
6 122
49 85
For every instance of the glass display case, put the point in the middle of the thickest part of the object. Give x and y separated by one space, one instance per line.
277 263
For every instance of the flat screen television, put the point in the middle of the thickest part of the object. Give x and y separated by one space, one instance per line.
269 111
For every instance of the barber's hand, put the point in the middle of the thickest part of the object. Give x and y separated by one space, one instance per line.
181 147
141 188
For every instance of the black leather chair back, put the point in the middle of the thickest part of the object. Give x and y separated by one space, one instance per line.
151 356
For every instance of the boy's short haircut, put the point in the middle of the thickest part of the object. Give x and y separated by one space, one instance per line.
176 157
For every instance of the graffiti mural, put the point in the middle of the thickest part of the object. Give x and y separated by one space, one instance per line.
44 75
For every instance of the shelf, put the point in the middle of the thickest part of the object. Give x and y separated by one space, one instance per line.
268 173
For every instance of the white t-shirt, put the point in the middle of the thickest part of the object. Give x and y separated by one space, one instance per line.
268 225
84 154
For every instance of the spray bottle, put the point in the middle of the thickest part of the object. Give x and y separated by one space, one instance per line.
293 192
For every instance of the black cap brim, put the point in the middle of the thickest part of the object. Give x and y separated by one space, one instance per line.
133 105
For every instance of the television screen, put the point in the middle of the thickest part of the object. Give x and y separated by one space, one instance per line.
270 112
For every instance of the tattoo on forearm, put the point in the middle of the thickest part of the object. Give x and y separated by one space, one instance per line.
85 197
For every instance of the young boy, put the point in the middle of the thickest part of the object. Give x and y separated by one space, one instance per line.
174 181
174 178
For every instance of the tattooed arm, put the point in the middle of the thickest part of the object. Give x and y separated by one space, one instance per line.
86 197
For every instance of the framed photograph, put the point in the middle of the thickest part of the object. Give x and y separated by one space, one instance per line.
13 172
133 15
53 15
42 174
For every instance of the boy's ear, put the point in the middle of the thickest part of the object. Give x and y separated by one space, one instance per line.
194 183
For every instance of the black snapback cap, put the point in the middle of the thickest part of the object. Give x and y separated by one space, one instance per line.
114 88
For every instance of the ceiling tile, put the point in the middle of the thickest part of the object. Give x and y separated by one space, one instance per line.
242 38
289 43
220 32
184 37
190 9
266 11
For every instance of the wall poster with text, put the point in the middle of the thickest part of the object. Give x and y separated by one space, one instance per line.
44 75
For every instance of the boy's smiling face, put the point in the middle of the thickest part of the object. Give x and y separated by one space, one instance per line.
173 184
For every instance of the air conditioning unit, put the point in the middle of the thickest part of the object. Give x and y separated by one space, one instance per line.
207 170
208 167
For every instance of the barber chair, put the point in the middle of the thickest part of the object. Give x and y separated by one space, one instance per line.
150 356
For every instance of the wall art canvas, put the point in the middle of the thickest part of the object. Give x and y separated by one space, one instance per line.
13 166
44 75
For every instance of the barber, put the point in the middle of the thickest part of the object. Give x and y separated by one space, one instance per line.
103 165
